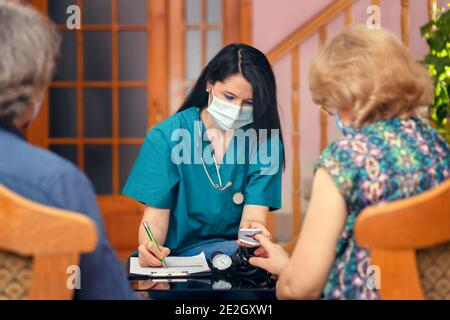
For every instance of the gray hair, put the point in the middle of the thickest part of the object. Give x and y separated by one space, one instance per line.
29 44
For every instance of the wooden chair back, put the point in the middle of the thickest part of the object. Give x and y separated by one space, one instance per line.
409 240
40 248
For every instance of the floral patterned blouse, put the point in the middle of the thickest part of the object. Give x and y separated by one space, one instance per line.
383 161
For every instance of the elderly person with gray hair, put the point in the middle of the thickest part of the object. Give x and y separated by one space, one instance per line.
29 43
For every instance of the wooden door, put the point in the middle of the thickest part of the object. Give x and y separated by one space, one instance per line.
127 68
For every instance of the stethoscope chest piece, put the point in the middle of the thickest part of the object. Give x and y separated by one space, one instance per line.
238 198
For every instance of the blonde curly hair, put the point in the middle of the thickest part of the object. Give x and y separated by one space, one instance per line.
371 74
29 44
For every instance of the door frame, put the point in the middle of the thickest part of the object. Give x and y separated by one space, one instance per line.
122 215
167 31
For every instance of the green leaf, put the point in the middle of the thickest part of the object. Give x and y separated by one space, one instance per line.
437 34
426 28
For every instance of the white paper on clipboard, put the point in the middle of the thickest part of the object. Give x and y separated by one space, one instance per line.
176 267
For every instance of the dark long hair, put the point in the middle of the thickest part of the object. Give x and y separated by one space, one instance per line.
252 64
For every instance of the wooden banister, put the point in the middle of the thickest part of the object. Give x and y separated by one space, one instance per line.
307 29
348 16
323 35
296 167
431 6
291 46
405 22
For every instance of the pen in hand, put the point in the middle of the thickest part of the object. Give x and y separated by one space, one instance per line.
152 239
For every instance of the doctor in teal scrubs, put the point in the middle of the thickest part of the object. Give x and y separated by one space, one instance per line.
215 166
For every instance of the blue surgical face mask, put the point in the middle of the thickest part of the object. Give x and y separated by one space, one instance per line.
346 130
228 115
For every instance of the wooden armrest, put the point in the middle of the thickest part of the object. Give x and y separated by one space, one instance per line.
418 222
29 228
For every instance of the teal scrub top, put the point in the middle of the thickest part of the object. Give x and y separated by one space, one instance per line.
199 213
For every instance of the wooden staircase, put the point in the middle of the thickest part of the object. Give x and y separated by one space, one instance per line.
291 46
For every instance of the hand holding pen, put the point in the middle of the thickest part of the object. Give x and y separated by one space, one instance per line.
150 253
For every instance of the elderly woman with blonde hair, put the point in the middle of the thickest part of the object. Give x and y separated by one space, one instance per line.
369 81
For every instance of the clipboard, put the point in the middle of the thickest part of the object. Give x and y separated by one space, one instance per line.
199 265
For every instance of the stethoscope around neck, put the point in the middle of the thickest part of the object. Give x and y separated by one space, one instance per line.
238 197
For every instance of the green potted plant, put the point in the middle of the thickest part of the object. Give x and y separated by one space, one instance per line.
437 34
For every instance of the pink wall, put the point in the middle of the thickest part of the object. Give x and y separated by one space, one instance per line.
273 20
